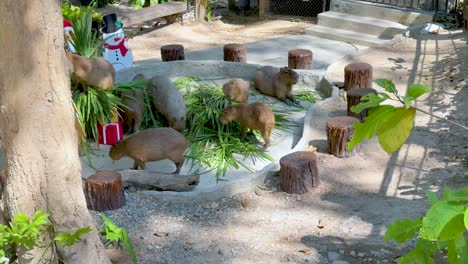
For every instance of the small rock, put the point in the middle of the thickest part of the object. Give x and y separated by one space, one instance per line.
221 252
341 251
340 262
142 237
352 253
333 256
298 198
161 234
304 250
258 192
245 203
321 223
361 255
214 205
384 251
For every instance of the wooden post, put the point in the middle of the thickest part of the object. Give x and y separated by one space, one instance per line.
339 132
235 52
353 97
261 7
104 191
200 8
358 75
172 52
300 59
299 172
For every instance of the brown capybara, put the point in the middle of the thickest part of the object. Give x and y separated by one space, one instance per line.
152 144
237 90
134 99
92 71
168 101
276 82
256 116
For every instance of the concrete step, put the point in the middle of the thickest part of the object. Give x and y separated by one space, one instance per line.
405 16
364 25
344 35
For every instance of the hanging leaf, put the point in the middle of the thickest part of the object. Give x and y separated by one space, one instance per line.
69 239
403 229
368 101
444 221
416 90
421 254
432 196
394 131
388 85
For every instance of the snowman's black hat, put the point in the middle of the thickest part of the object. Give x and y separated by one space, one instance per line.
110 23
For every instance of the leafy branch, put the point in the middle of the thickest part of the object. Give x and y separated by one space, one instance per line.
391 124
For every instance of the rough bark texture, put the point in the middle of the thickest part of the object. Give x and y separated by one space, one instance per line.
201 9
172 52
38 135
104 191
235 52
353 97
358 75
339 132
299 172
300 59
151 180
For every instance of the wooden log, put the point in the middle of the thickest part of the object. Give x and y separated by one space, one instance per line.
235 52
104 191
149 13
151 180
353 97
299 172
172 52
358 75
339 132
300 59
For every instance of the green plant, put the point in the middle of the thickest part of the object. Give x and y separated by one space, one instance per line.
137 4
24 232
442 228
445 224
85 41
115 235
73 13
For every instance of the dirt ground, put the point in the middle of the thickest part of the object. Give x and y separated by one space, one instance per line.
345 219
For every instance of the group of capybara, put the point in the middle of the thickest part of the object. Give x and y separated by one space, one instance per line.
156 144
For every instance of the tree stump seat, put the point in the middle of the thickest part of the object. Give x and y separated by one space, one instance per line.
299 172
339 132
300 59
104 191
172 52
235 52
358 75
353 97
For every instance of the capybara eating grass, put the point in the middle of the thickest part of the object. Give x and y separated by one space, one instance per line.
276 82
237 90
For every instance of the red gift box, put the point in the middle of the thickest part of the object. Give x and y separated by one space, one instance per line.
110 134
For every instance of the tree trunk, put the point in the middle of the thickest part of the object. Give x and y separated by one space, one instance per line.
172 52
201 9
104 191
38 135
152 180
353 97
358 75
299 172
300 59
339 132
235 52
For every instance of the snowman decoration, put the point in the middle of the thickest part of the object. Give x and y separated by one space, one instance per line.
67 31
116 50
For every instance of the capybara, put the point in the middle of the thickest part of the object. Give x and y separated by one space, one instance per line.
168 101
276 82
237 90
152 144
256 116
134 99
92 71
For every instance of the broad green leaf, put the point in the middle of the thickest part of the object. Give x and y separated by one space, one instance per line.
388 85
466 219
461 245
69 239
456 196
394 131
407 100
367 129
454 228
452 253
368 101
439 218
416 90
421 254
402 230
432 196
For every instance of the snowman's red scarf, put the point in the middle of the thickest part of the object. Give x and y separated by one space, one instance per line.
121 47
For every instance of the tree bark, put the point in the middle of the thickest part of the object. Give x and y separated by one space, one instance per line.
339 132
300 59
104 191
172 52
38 135
358 75
201 9
353 97
235 52
299 172
151 180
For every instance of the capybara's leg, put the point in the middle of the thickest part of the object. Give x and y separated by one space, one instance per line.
178 166
266 137
137 124
135 165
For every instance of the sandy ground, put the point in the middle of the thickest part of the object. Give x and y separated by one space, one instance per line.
346 217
